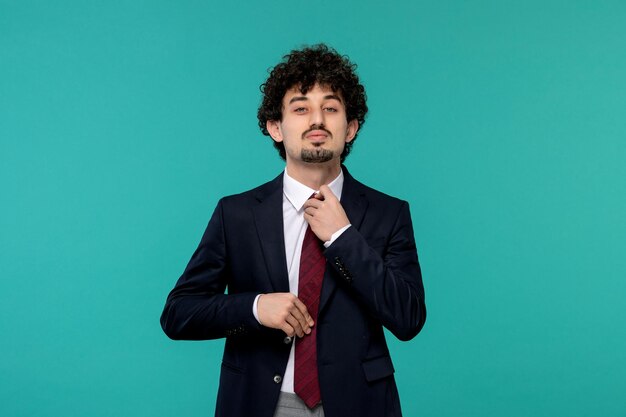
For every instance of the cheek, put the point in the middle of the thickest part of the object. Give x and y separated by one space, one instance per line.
290 141
292 133
342 131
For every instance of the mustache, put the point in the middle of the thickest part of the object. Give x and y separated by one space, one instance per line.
316 127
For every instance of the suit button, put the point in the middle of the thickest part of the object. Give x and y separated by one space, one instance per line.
278 379
287 340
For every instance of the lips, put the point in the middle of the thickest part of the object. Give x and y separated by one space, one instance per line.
316 135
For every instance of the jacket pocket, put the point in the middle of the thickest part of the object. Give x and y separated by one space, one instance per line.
377 368
227 366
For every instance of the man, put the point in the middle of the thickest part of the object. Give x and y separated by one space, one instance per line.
315 263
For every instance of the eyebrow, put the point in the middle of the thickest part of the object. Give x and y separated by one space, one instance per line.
304 98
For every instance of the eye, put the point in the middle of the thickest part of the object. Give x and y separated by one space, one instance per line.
331 109
299 110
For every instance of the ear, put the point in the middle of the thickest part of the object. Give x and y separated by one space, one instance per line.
353 127
273 127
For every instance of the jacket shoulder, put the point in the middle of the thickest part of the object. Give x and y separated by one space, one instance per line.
253 195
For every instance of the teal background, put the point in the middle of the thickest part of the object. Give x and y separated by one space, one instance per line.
502 123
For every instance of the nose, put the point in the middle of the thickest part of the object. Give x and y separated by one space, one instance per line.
317 117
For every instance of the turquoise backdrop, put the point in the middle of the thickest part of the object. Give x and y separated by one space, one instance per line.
503 123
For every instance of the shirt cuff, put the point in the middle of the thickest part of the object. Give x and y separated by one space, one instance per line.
335 236
255 308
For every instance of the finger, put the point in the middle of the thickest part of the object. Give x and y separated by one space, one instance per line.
288 329
327 193
304 311
318 196
313 224
303 322
310 211
312 202
295 325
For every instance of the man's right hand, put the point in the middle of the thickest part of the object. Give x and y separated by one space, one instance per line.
284 311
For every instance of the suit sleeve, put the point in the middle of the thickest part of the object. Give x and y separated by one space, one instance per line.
390 286
197 308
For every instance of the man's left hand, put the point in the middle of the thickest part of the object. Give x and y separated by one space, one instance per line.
325 214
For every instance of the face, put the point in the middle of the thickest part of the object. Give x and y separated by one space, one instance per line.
314 127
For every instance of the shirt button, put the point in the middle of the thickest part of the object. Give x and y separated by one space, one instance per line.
287 340
278 378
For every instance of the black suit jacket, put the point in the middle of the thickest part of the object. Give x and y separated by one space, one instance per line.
372 280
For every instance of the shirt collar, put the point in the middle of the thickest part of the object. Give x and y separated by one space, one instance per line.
298 193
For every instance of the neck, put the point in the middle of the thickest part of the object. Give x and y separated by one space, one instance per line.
314 175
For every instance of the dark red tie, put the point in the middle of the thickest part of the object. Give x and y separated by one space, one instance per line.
312 266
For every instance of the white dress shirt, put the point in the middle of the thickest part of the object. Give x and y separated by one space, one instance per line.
295 195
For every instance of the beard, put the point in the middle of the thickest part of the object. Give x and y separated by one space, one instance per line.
316 155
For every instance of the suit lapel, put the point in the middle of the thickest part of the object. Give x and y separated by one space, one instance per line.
268 217
354 204
353 199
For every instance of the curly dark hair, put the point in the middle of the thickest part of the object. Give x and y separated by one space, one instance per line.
317 64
